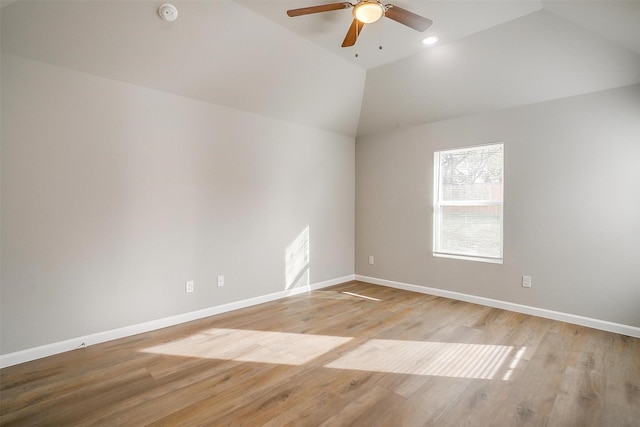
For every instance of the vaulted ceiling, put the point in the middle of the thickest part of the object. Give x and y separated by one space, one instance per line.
248 55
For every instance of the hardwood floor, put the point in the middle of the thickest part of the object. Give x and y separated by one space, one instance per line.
354 354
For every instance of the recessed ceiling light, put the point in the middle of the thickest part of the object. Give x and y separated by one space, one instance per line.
430 40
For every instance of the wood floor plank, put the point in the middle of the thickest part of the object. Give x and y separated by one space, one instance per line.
354 354
580 400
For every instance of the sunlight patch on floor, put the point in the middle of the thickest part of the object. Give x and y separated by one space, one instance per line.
514 363
457 360
360 296
251 346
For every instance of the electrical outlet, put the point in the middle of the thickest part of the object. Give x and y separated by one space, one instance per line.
526 281
221 280
189 286
371 259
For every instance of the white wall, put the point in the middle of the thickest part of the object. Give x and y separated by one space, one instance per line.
572 205
114 195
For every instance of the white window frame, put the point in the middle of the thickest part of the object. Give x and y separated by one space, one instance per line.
438 204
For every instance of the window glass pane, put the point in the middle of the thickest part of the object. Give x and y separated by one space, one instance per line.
471 230
472 174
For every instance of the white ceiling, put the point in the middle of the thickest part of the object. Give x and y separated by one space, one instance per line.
249 55
506 66
216 51
452 20
615 20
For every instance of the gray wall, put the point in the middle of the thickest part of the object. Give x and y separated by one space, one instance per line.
571 213
114 195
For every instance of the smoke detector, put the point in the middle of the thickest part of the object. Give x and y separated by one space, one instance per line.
168 12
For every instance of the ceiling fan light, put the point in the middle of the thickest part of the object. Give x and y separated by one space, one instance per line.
368 12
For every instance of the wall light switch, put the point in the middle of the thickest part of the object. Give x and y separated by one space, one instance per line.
526 281
220 280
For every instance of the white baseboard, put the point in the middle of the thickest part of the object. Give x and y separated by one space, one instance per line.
332 282
27 355
604 325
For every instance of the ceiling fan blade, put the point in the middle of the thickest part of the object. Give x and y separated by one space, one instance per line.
353 33
410 19
317 9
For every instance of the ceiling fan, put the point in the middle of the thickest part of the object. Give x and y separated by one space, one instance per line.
367 12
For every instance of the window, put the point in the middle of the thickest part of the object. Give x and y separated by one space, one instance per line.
468 203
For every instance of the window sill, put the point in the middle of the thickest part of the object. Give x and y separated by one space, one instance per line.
468 258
